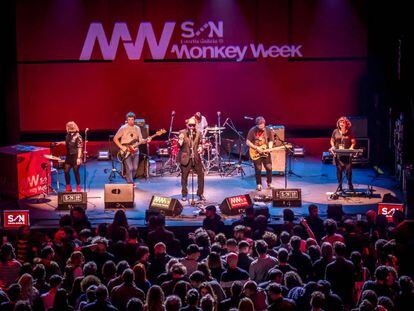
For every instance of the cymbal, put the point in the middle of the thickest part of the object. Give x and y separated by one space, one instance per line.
215 128
53 158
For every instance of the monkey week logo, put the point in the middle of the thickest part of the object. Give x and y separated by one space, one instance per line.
205 42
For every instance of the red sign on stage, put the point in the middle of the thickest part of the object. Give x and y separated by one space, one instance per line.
388 209
24 171
239 201
15 219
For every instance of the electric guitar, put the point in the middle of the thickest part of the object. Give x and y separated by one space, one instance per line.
132 146
255 154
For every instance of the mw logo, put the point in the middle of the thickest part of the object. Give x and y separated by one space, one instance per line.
238 199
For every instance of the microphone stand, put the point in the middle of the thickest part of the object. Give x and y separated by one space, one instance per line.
85 152
171 125
192 163
238 166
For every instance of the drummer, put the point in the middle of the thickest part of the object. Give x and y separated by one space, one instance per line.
201 123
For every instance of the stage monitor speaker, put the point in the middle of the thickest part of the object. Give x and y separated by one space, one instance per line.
359 126
287 197
165 205
236 205
119 195
279 156
335 212
68 200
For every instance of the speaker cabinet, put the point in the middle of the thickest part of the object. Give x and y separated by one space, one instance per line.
165 205
279 156
359 126
119 195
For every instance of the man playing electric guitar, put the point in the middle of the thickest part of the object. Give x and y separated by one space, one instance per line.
126 134
259 139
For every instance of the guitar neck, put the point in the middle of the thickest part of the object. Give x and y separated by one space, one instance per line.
278 148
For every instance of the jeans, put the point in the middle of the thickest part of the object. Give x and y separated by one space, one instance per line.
343 164
267 163
131 166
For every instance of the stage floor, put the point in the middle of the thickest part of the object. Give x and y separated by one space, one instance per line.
317 181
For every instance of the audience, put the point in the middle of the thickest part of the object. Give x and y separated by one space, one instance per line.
308 265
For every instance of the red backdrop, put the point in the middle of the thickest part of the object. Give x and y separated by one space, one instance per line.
309 93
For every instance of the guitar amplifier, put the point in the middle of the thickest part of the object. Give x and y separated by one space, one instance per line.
119 195
287 197
68 200
278 156
143 164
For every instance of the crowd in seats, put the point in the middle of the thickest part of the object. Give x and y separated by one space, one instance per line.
303 264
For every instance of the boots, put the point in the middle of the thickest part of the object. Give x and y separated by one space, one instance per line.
78 188
68 188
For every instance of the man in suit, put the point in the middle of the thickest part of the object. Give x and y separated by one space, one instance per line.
189 142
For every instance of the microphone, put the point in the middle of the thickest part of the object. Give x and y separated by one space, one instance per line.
248 118
218 113
87 129
173 113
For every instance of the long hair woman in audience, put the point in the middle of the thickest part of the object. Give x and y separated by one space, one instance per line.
155 299
28 292
216 265
141 280
120 220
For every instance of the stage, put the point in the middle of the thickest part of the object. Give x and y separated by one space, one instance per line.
316 180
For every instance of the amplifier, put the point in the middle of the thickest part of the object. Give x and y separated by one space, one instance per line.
236 205
278 156
165 205
119 195
359 125
287 197
67 200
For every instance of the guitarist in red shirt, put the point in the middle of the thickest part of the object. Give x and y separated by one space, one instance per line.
130 133
259 138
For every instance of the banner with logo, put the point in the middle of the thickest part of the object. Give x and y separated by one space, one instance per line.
97 60
13 219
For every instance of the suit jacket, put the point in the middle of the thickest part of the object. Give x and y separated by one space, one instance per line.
184 154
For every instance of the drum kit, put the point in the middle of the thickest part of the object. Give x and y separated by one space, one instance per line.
210 151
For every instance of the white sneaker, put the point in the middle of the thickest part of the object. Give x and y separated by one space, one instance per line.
269 186
259 187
